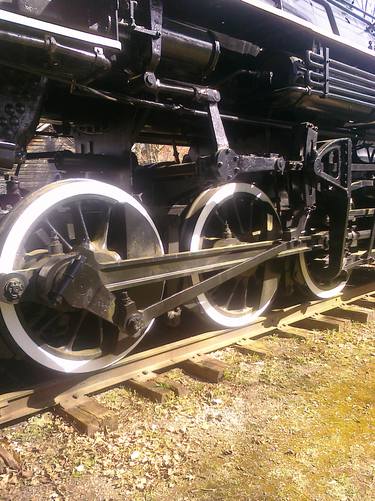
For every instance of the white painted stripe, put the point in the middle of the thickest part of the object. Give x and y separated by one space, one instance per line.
306 24
56 29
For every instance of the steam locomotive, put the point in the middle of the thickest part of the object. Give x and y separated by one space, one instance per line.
274 102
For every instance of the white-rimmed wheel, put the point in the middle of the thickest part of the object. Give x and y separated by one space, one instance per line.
312 268
69 214
234 214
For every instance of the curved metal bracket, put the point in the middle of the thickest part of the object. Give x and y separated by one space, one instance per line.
343 179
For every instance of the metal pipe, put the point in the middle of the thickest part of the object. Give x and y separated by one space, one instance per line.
354 78
346 77
337 83
331 16
176 108
94 59
186 49
351 85
352 70
350 100
352 94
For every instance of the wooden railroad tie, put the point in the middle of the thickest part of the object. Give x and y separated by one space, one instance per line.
206 369
87 415
369 299
175 387
253 348
291 332
354 313
156 387
366 302
323 322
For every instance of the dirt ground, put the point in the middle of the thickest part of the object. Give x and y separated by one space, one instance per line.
297 426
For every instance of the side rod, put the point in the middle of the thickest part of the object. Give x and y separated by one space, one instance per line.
192 292
141 271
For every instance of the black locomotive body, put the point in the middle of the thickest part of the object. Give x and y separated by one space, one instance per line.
274 102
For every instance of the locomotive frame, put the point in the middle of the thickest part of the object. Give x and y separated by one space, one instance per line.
226 227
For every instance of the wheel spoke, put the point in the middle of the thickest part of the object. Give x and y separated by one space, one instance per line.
251 217
246 280
48 323
74 336
233 292
43 236
101 238
219 217
80 224
37 319
268 284
238 217
101 332
61 238
370 155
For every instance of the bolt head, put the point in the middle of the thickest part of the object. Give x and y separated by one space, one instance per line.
13 289
134 325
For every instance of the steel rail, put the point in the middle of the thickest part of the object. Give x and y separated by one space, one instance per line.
17 405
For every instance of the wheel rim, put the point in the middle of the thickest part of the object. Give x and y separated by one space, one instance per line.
318 288
363 197
90 344
238 302
311 272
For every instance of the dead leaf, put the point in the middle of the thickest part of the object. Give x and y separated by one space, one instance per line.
11 458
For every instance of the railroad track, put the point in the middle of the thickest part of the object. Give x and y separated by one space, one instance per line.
70 395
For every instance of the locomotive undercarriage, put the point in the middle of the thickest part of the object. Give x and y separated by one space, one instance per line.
88 258
276 193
